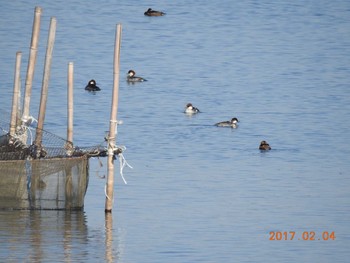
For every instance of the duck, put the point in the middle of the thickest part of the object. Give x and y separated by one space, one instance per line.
232 123
264 146
151 12
91 86
190 109
132 78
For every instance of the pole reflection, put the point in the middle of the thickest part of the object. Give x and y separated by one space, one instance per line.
109 237
58 236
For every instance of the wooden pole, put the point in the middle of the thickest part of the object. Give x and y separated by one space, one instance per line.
32 61
45 83
70 102
113 122
69 144
16 89
19 106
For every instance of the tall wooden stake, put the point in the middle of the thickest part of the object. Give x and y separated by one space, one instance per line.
70 102
69 193
32 61
15 99
113 122
45 83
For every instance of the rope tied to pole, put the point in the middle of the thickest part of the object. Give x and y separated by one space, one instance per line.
117 151
25 127
113 118
112 199
122 162
28 120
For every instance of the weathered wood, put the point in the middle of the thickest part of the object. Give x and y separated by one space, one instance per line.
70 102
113 123
16 89
45 82
32 61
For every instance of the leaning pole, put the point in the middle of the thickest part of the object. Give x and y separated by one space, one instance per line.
113 123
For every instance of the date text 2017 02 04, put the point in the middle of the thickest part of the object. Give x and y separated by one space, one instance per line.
306 235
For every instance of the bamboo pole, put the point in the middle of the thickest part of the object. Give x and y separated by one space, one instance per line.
113 122
45 82
16 89
70 102
32 61
19 106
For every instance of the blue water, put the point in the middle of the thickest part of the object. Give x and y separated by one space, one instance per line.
196 193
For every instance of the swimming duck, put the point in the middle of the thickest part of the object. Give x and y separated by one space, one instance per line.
264 146
91 86
132 78
151 12
232 123
190 109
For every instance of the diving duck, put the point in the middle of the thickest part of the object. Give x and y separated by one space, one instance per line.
232 123
132 78
190 109
91 86
264 146
151 12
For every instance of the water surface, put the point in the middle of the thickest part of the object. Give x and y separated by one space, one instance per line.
197 193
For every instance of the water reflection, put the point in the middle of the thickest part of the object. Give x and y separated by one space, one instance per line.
56 236
36 231
109 237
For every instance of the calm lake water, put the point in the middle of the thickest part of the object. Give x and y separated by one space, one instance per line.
196 193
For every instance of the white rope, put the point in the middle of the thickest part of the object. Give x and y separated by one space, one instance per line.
122 160
109 138
112 148
31 134
21 135
28 120
107 195
26 126
115 122
122 163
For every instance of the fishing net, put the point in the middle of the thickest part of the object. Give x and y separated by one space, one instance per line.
57 183
22 145
52 174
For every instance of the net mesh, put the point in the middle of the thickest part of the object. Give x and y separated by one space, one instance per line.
22 145
52 174
58 183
